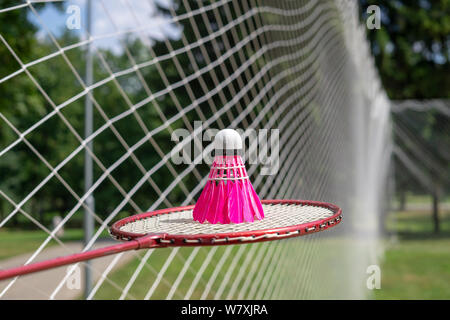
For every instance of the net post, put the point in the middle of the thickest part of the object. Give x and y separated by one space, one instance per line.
88 221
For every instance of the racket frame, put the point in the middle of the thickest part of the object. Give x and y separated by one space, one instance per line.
153 240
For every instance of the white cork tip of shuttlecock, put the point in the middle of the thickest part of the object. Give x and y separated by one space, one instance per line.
228 139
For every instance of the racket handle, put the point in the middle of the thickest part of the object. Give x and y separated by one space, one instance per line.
145 242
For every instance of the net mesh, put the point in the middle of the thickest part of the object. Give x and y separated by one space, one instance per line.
302 67
421 129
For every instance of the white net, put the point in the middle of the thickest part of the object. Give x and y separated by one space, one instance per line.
421 129
147 68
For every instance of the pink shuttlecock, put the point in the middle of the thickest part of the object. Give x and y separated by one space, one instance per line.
228 196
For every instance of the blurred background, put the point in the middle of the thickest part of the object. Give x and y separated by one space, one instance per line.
47 180
411 52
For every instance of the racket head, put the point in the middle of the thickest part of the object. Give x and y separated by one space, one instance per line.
174 227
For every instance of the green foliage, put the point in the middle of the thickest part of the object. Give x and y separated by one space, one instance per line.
412 51
416 265
412 47
54 83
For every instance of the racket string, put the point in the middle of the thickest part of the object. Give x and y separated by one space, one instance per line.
181 223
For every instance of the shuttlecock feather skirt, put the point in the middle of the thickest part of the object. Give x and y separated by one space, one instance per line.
228 196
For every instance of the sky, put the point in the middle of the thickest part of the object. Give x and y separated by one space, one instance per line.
108 17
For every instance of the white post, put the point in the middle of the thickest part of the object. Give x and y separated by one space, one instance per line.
88 224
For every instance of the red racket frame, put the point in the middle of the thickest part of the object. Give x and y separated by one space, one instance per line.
135 241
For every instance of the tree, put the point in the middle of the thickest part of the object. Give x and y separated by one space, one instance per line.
411 51
19 100
412 47
22 103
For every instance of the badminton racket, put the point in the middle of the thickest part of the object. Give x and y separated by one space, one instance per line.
174 227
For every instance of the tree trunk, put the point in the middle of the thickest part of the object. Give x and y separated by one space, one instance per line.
402 200
436 211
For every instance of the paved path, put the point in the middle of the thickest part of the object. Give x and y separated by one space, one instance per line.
42 284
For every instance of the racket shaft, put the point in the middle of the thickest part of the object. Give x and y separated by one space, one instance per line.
70 259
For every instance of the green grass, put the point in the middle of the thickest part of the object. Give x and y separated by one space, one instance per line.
416 270
330 249
23 239
149 273
15 242
417 264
